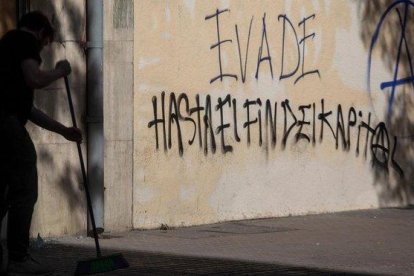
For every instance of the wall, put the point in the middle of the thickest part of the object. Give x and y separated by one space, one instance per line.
7 15
248 109
287 116
60 187
118 113
60 209
59 172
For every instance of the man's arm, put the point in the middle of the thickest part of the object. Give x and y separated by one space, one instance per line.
41 119
36 78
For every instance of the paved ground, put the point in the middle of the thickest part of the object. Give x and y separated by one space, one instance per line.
377 242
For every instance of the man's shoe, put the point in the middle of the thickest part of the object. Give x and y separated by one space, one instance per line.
28 266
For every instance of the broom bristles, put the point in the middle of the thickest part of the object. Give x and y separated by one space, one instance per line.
102 264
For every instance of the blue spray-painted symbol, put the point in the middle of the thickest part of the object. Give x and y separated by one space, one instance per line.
403 42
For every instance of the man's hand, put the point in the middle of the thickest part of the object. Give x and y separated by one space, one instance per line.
73 134
41 119
63 67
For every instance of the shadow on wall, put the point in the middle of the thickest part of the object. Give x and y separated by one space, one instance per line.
68 18
69 180
388 32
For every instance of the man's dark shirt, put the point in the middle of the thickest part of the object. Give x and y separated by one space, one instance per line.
16 97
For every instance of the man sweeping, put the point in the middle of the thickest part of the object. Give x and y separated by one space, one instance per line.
20 75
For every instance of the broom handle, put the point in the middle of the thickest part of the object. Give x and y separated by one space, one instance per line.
85 180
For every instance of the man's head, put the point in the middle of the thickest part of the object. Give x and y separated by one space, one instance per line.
39 25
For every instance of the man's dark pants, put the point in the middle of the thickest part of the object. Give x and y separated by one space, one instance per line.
18 184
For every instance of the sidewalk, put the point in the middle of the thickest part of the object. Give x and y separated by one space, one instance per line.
374 242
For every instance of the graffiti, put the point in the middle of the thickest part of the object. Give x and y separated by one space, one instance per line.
218 45
300 124
264 56
219 123
406 4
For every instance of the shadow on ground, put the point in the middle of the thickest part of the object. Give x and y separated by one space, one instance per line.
64 259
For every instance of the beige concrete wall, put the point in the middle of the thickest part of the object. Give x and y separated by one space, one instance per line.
60 209
165 46
350 166
118 113
7 16
61 206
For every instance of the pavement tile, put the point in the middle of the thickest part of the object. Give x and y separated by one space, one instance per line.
373 242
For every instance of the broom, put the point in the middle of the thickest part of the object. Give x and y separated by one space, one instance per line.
100 263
